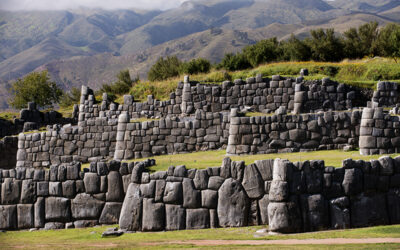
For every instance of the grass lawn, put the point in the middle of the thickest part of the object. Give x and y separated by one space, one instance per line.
91 237
205 159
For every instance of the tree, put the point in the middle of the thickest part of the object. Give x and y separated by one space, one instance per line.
122 86
164 68
388 42
362 41
35 87
234 62
325 46
295 50
71 97
195 66
261 52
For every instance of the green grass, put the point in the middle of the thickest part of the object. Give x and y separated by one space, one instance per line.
205 159
91 237
143 119
9 116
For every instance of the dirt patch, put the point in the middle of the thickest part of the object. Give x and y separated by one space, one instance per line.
333 241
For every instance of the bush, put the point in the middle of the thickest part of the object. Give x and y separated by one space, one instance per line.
295 50
35 87
70 98
388 43
120 87
195 66
164 69
234 62
325 46
261 52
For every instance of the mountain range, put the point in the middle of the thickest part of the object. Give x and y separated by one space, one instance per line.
89 46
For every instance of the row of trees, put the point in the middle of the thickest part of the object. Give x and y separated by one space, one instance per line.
172 66
322 45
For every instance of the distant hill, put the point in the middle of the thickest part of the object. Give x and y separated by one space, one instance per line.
91 45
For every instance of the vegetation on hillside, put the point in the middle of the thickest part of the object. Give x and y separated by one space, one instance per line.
35 87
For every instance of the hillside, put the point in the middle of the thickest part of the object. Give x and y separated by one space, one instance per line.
90 45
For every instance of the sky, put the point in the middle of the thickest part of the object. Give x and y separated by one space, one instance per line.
73 4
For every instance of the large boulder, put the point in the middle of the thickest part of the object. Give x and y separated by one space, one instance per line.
131 212
8 217
153 215
110 213
233 204
85 207
197 218
284 217
340 213
252 182
25 216
115 191
368 210
191 196
175 217
57 209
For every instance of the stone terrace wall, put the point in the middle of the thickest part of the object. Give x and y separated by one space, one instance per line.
92 140
8 152
379 132
292 133
63 196
204 131
290 197
256 92
386 95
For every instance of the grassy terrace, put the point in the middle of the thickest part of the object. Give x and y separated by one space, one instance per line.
205 159
91 237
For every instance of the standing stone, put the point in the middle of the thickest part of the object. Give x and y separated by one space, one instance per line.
39 213
131 212
160 187
86 207
191 196
252 182
57 209
153 215
263 205
8 217
115 191
197 218
284 217
110 213
233 204
25 216
175 217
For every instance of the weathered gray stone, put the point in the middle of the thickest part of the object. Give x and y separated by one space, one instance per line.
352 183
263 205
197 218
368 210
110 213
68 189
252 182
173 193
201 179
148 189
10 191
191 196
86 207
115 191
315 212
153 215
340 213
393 199
233 204
25 216
8 217
130 218
209 198
279 191
55 188
265 168
237 168
159 191
284 217
28 191
39 212
387 165
57 209
54 225
92 183
226 168
85 223
215 182
175 217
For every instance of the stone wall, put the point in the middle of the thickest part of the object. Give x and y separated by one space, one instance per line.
386 95
379 132
289 197
292 133
8 152
260 94
64 196
170 135
91 140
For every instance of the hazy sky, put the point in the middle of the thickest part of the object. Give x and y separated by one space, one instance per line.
71 4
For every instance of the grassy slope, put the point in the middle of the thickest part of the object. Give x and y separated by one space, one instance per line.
91 237
205 159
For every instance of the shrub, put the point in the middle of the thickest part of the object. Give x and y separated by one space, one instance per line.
234 62
195 66
164 69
